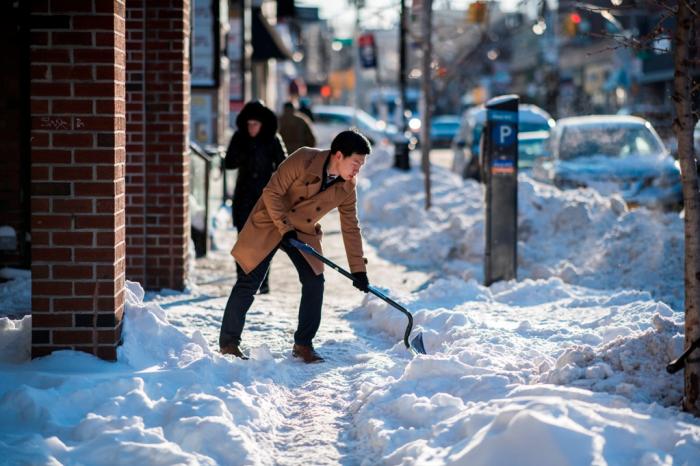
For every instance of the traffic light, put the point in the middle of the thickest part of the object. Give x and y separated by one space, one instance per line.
476 13
572 22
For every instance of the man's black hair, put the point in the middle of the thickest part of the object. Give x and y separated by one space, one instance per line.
351 142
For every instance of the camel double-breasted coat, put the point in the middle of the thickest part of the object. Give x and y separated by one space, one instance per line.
293 200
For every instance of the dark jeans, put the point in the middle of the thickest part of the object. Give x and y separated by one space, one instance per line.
243 295
264 286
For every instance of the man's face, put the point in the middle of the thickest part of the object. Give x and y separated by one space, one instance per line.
349 167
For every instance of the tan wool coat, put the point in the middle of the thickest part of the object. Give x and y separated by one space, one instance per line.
293 200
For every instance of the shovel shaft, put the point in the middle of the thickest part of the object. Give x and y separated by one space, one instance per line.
309 250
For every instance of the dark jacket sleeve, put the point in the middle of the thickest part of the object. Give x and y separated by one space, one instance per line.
234 153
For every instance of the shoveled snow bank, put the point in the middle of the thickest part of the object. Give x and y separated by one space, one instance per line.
168 400
519 364
577 235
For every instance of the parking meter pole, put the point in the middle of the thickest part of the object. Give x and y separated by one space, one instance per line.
500 168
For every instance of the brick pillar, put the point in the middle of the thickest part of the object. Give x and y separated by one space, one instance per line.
158 96
78 154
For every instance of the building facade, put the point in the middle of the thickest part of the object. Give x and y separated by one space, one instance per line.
97 154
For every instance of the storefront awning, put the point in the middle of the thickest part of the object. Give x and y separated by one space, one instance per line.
267 43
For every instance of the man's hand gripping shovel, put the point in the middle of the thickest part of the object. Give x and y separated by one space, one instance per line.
416 346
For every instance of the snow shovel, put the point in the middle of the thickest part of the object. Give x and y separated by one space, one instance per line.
416 346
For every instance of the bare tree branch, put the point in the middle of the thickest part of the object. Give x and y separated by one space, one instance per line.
690 8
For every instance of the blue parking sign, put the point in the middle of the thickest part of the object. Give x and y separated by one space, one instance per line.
503 134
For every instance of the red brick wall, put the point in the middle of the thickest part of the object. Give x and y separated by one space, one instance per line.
78 156
158 91
135 141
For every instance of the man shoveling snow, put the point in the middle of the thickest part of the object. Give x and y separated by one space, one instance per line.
305 187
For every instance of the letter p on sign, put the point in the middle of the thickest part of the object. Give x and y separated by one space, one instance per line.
503 134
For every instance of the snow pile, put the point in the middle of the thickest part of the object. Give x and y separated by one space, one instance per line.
481 420
547 332
168 400
493 355
150 340
577 235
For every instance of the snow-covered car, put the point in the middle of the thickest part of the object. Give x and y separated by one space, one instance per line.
534 126
443 129
329 120
612 154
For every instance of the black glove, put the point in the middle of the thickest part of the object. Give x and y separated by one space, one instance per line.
360 281
291 234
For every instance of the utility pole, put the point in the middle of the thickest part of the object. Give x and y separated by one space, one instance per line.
426 98
401 160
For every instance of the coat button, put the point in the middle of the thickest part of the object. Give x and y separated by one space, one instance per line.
318 209
308 220
294 210
307 183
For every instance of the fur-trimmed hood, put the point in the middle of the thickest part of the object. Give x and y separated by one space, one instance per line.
256 110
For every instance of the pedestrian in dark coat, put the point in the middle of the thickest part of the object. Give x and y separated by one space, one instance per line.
256 150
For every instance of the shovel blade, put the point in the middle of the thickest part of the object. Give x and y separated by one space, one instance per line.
417 345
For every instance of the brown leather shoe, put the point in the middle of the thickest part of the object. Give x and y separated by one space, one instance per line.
234 350
307 353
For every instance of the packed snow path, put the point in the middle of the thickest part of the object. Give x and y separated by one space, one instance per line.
314 401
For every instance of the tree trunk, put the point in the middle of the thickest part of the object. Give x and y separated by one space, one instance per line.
427 100
683 128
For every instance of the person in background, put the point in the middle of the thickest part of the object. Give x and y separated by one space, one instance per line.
256 150
295 129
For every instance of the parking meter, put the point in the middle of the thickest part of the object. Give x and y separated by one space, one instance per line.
499 150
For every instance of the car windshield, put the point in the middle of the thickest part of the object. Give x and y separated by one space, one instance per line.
608 141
